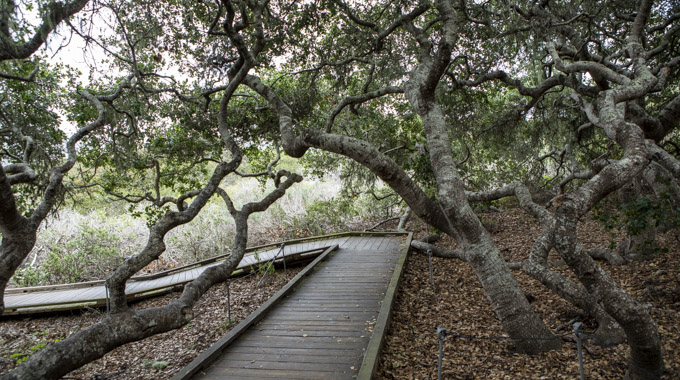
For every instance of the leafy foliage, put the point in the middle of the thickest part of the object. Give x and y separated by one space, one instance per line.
637 216
94 252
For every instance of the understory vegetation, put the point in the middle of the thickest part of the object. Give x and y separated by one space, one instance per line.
86 245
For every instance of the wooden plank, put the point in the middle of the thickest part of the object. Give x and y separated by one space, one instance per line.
316 305
370 362
375 243
321 314
294 351
280 313
314 318
229 363
381 241
45 301
305 345
346 287
298 340
306 357
24 299
367 243
355 242
295 331
133 286
53 308
332 239
307 324
344 291
275 374
215 350
329 308
349 282
40 299
344 268
347 297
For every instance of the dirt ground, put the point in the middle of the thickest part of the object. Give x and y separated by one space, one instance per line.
411 349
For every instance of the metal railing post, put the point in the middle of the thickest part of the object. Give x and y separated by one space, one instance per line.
229 300
578 330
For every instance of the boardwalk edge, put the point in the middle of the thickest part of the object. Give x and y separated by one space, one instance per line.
208 356
370 364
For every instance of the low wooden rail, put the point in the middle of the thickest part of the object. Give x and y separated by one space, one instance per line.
44 299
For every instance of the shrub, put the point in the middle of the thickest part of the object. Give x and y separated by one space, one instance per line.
87 256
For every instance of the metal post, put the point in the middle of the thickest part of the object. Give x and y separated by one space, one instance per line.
578 330
271 263
229 301
441 335
283 254
108 302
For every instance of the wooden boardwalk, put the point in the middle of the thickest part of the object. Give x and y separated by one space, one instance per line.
328 323
44 299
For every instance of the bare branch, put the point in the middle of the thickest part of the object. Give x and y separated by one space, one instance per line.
29 78
57 174
21 173
55 13
665 159
422 7
269 172
348 11
360 99
384 221
438 252
595 68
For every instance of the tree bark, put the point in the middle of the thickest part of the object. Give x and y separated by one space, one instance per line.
123 325
641 331
18 236
508 301
608 332
502 290
609 114
19 232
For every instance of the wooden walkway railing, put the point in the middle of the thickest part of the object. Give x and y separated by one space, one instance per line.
44 299
327 323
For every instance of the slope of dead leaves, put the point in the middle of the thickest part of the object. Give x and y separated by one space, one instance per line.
411 348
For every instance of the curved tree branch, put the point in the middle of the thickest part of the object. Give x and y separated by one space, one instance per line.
56 12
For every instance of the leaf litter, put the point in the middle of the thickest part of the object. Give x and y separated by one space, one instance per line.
411 346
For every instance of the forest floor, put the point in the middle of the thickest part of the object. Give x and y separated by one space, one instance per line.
411 348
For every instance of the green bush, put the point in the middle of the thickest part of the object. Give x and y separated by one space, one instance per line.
90 255
321 217
637 216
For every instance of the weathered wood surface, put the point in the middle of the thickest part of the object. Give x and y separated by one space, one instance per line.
93 294
323 327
